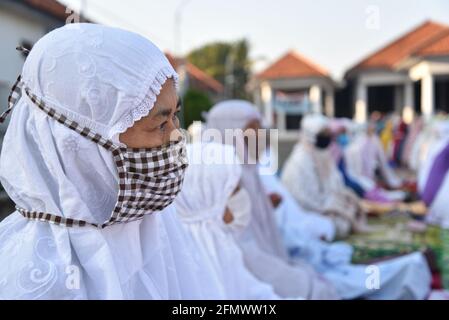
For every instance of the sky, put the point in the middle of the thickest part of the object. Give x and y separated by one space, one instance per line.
336 34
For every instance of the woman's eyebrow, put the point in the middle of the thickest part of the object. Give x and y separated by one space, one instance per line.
163 113
167 111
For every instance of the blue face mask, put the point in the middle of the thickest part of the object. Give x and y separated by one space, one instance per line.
343 140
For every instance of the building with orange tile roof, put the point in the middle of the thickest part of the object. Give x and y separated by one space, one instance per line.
409 75
290 87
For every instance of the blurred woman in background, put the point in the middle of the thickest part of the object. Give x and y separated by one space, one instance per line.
263 250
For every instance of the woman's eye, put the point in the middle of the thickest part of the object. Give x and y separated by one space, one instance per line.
176 115
162 126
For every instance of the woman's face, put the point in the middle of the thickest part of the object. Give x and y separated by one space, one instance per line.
160 126
252 129
253 125
323 138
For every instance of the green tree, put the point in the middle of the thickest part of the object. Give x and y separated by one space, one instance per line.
227 62
194 103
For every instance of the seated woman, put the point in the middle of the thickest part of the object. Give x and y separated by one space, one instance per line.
365 157
377 199
211 210
91 146
311 176
261 243
339 129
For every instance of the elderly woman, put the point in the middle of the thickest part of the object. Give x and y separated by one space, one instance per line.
93 161
263 250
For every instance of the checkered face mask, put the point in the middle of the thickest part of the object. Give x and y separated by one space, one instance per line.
149 178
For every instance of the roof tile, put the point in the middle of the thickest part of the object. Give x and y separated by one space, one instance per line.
293 65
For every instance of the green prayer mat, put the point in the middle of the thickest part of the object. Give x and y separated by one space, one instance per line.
392 237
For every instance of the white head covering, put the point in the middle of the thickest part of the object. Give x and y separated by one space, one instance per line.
232 114
105 79
201 206
311 125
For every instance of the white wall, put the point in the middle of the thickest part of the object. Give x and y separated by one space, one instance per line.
16 25
15 28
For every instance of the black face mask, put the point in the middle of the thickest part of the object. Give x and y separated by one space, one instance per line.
323 140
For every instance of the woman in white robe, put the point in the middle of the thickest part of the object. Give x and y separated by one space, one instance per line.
311 176
213 176
109 81
261 242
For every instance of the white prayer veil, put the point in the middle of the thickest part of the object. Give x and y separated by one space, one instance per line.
232 114
105 79
311 125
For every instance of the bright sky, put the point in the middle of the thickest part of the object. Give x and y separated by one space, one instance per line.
335 34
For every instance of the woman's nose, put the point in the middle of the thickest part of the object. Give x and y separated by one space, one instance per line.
174 133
